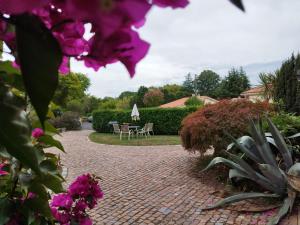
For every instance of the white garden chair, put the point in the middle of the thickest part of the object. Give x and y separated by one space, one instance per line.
125 130
143 131
150 129
116 128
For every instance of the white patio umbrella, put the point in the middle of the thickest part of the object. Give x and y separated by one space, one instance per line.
135 115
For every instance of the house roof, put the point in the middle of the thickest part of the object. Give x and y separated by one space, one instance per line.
254 91
180 102
177 103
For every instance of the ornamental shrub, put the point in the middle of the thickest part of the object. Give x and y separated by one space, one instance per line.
166 121
194 101
287 123
205 127
69 120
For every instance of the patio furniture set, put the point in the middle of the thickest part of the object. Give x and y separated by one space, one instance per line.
131 131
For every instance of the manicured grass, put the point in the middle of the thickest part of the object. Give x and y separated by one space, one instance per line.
111 139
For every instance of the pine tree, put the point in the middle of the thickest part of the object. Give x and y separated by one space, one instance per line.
287 88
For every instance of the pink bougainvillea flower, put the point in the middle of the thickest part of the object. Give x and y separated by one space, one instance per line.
85 221
125 45
37 132
2 172
171 3
62 201
64 66
20 6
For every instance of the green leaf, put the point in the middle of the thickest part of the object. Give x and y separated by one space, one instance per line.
52 182
15 131
6 209
11 75
282 147
240 197
38 189
238 3
48 127
49 140
48 166
39 205
40 57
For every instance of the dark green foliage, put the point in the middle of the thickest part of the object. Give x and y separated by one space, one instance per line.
126 94
287 87
69 120
139 97
166 121
194 101
233 84
207 82
173 92
288 124
189 84
71 87
38 45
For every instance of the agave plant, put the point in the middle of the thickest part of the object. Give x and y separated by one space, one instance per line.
273 170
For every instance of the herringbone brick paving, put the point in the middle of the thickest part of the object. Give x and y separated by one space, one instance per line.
148 185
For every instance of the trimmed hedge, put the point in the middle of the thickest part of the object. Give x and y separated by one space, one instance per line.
166 121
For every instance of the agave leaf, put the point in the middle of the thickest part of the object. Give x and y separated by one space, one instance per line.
255 176
240 197
282 147
247 145
233 173
286 206
293 176
268 134
294 136
271 141
271 173
262 145
227 162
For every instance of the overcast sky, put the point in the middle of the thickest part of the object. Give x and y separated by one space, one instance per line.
208 34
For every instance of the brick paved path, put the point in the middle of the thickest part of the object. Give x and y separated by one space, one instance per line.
146 185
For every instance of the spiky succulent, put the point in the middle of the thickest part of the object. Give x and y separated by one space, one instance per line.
281 180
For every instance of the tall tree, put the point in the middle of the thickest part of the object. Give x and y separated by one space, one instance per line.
173 92
188 84
207 82
287 88
139 97
70 87
233 84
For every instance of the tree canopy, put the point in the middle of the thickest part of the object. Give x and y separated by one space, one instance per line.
233 84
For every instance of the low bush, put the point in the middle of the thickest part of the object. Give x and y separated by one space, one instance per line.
205 127
194 101
287 123
166 121
69 120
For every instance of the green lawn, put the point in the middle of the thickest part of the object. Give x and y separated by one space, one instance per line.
111 139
